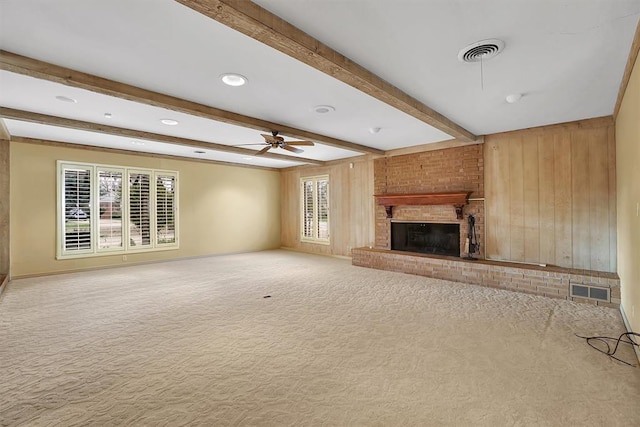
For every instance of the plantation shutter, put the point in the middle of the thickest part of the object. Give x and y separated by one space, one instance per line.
165 209
307 209
110 224
76 209
315 209
139 210
322 208
108 210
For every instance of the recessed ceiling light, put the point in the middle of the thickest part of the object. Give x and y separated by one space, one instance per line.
66 99
169 122
137 142
323 109
107 115
513 98
374 130
247 158
199 152
233 79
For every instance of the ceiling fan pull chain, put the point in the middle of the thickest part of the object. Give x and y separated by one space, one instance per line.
481 75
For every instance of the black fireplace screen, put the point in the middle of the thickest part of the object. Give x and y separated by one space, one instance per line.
426 238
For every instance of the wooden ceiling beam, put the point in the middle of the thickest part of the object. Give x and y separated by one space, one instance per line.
631 60
260 24
27 116
72 146
66 76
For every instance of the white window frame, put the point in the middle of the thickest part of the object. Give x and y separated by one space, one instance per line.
63 253
122 171
315 238
131 247
174 175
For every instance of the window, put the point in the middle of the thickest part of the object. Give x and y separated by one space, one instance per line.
110 220
165 209
108 209
315 209
139 209
76 209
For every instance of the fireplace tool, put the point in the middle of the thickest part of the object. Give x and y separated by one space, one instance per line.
471 245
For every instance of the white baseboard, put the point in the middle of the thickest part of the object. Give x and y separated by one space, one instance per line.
628 328
134 263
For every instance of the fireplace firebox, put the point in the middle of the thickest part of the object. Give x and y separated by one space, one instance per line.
426 238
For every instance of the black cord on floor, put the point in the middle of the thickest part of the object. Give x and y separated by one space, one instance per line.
618 340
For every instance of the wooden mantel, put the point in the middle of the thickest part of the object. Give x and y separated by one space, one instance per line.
458 199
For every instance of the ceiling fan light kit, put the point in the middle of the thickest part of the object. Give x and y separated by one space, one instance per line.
275 141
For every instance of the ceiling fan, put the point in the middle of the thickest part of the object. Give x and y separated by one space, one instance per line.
275 141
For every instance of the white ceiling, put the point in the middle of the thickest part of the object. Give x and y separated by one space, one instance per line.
566 57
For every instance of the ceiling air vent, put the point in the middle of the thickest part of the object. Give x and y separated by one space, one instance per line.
481 51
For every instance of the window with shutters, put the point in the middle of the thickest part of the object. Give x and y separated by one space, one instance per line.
105 210
139 209
76 203
110 223
165 209
315 209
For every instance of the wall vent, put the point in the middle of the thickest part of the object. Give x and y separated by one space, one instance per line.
590 292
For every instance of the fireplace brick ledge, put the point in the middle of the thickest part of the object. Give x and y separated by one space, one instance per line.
457 198
550 281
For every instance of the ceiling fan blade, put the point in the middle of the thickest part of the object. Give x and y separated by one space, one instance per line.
269 138
292 149
264 150
307 143
243 145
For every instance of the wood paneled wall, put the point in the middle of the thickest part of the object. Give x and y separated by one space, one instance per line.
351 206
4 201
550 195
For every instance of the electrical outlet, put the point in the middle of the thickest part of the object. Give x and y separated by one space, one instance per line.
124 257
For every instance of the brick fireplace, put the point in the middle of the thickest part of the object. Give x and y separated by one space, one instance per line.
454 169
461 170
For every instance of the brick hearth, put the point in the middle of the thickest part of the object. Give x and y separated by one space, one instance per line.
544 281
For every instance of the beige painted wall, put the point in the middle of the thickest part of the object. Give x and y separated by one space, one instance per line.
351 206
628 181
222 208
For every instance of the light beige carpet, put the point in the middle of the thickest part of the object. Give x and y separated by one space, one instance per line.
195 343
